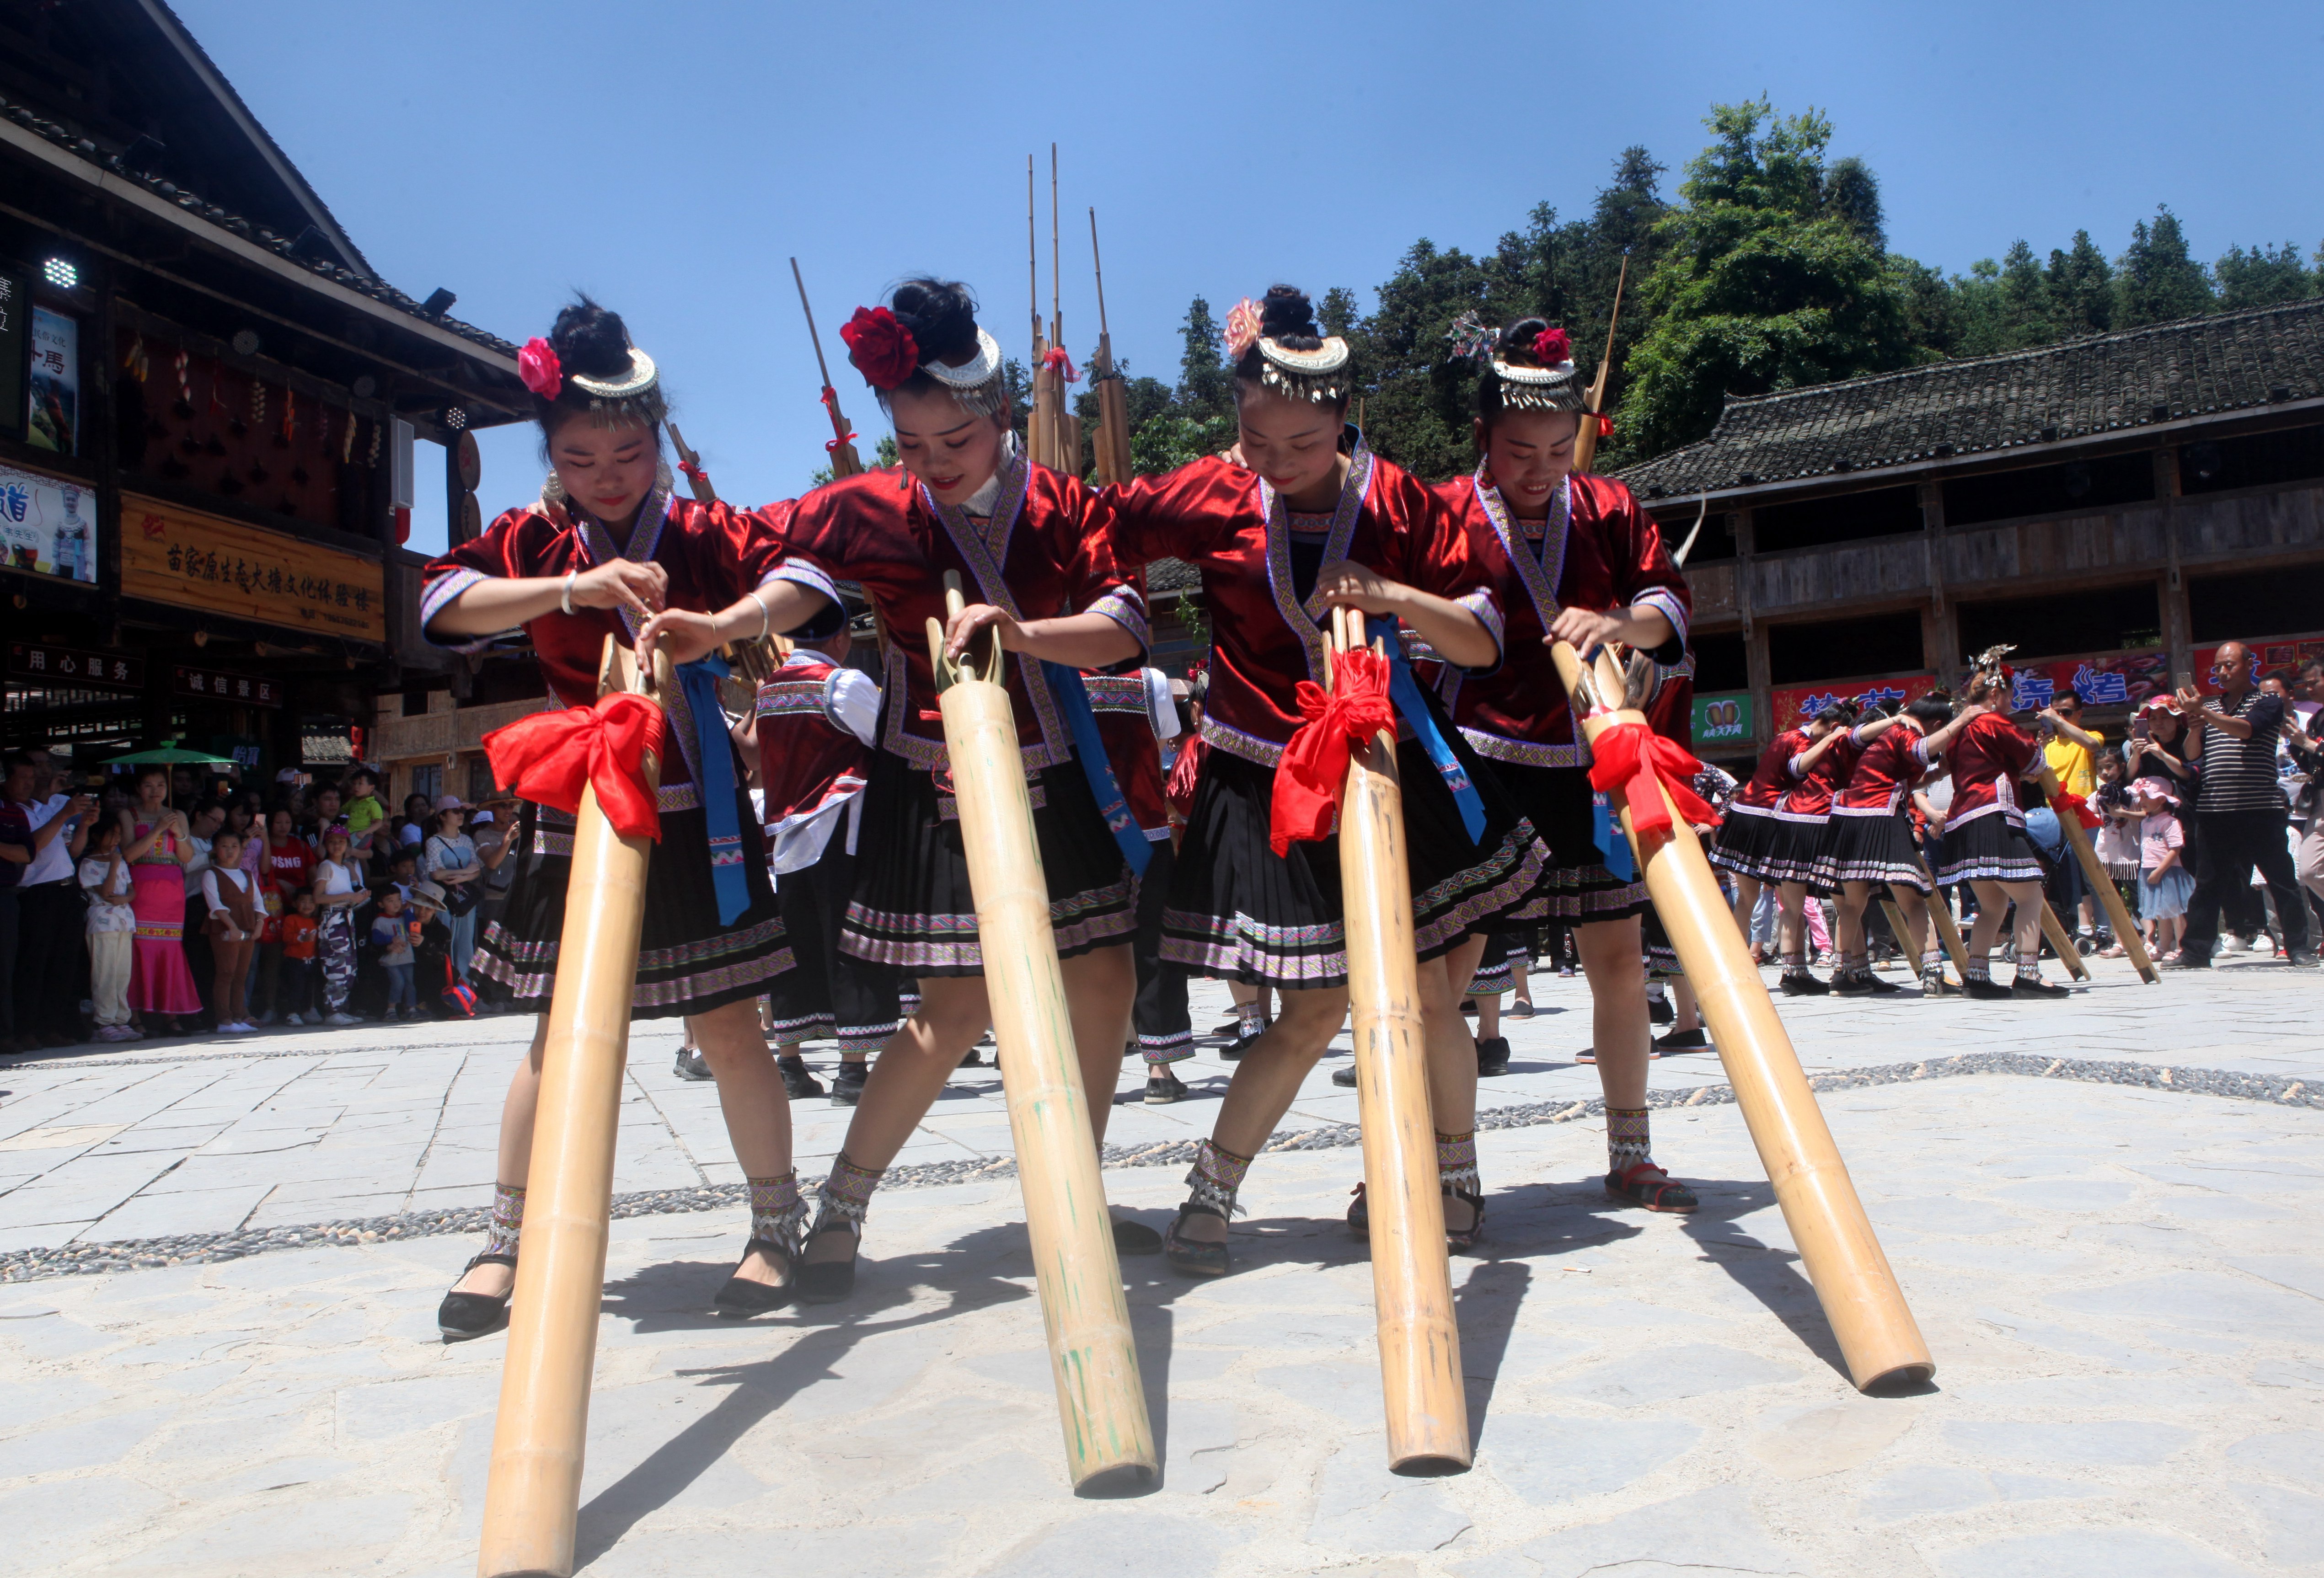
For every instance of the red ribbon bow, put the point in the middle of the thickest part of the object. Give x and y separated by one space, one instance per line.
1605 427
1315 764
831 404
694 473
1633 757
551 756
2067 800
1056 357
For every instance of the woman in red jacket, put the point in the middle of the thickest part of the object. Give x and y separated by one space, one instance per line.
1985 845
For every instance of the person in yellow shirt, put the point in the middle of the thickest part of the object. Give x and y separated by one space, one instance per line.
2072 753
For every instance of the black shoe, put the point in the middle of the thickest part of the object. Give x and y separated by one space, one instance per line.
1882 988
1660 1010
1984 991
847 1084
690 1066
972 1060
1162 1086
1694 1041
797 1083
1801 984
2032 986
1469 1007
465 1316
1518 1008
742 1298
1187 1257
2182 963
1359 1216
1242 1044
827 1281
1492 1056
1135 1238
1345 1077
1852 983
2303 960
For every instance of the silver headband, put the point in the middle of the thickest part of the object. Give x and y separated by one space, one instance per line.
635 396
1538 388
975 385
1320 375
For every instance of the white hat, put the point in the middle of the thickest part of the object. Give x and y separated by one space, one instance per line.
407 834
449 803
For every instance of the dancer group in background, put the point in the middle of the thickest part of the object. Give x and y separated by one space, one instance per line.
1030 547
814 727
610 550
1773 834
1986 844
1313 520
1868 842
1569 557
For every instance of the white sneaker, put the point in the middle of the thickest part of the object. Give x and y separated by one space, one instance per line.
342 1018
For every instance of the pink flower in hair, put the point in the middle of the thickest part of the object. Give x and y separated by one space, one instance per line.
1242 328
538 365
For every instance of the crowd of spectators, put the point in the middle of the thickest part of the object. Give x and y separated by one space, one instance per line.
160 902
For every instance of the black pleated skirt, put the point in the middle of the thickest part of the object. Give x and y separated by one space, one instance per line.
1239 911
1988 849
829 993
1762 845
1662 959
1871 848
688 963
913 909
1577 888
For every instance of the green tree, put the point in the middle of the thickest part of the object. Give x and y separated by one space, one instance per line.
2265 276
2157 280
2081 288
2003 306
1205 382
1763 280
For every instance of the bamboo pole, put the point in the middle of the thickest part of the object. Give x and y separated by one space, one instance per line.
532 1491
2061 942
1941 916
1902 932
844 461
1585 432
1112 449
1412 1286
1093 1361
2125 929
1852 1279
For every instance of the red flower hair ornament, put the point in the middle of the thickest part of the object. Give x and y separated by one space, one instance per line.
538 365
882 350
1551 346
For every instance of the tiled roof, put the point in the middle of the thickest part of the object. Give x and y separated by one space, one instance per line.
237 225
1171 576
2224 361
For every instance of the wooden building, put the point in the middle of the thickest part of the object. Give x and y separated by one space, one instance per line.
208 407
2115 506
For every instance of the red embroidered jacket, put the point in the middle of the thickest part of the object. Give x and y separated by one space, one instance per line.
1598 551
1891 767
1229 524
1044 554
1772 776
807 755
1810 798
714 554
1129 721
1987 755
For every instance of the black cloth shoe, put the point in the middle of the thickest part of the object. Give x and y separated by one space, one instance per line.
827 1281
690 1066
1345 1077
1660 1009
1135 1238
742 1298
1469 1007
465 1316
1852 983
1694 1041
797 1083
2182 963
2302 960
2027 986
972 1060
1518 1008
1800 982
1188 1258
847 1085
1162 1087
1492 1056
1987 990
1242 1044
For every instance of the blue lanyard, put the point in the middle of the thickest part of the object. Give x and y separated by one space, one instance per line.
1074 703
714 756
1405 691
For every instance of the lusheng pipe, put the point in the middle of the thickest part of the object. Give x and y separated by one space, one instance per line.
2125 929
532 1489
1427 1407
1876 1334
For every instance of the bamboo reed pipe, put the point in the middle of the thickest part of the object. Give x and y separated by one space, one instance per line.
1875 1329
2125 929
1901 931
1412 1287
1941 916
2061 942
532 1491
1094 1359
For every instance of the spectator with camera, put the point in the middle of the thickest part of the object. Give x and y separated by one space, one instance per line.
2239 815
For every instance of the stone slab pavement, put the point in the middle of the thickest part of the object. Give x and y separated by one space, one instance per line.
156 1140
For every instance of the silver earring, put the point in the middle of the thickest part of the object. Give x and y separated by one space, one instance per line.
552 489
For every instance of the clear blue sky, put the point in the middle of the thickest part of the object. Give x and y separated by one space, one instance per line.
670 158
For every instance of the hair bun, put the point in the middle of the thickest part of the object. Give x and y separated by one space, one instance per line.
1516 342
1287 318
590 340
941 314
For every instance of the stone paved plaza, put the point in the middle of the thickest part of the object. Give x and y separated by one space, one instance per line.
2122 1285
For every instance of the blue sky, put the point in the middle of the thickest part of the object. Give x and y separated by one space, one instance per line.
668 158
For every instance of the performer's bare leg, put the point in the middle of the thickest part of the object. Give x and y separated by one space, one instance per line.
1623 1036
1747 900
1992 898
1266 1081
759 1124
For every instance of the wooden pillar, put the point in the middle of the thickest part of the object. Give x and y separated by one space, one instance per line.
2178 624
1755 636
1940 651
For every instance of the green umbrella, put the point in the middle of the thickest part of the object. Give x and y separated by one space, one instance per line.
168 755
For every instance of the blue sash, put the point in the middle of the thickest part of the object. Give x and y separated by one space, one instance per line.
715 755
1073 704
1405 691
1607 832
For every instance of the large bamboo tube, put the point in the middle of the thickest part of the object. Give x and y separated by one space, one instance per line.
2061 941
2125 929
1094 1359
532 1493
1900 930
1941 916
1876 1334
1412 1285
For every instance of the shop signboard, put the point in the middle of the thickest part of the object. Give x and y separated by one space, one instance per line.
75 668
214 685
1723 720
15 348
48 525
1798 703
171 554
54 396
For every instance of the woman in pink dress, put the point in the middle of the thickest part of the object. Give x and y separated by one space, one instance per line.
158 847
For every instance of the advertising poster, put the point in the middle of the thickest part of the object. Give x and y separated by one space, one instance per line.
1795 705
15 327
55 393
48 526
1723 720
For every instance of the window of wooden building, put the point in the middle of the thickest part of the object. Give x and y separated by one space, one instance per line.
1805 654
2065 622
2214 466
2288 601
2101 484
1719 664
1886 511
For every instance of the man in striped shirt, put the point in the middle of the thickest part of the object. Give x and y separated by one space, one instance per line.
2239 814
